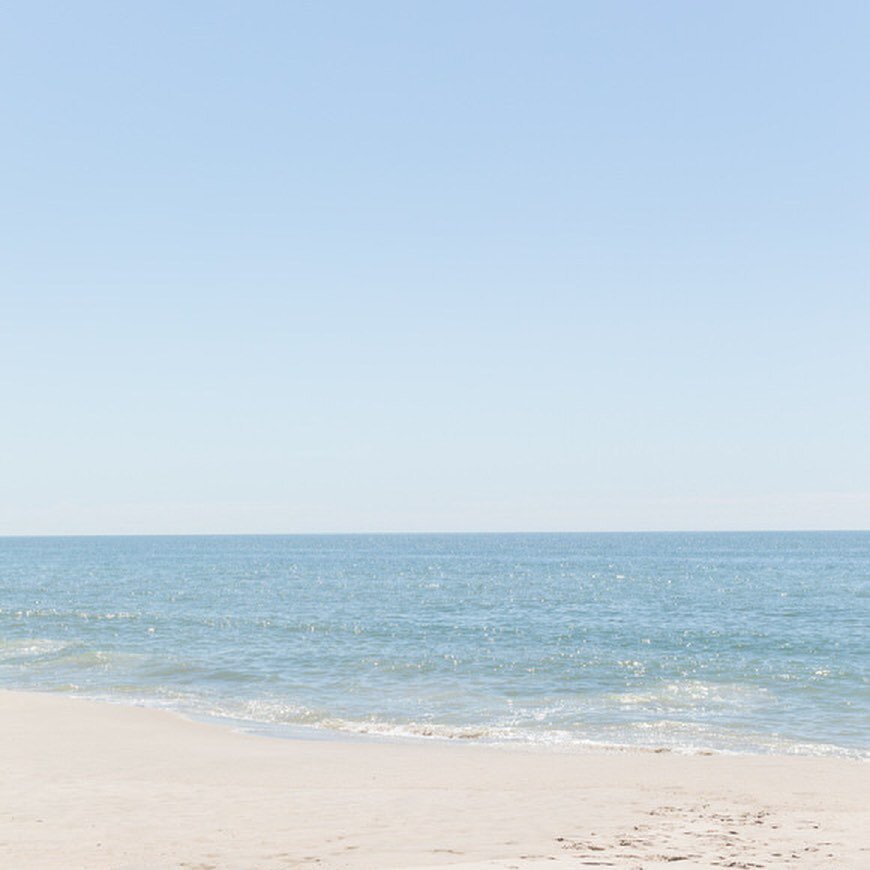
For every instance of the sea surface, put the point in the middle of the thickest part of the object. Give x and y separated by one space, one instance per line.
749 642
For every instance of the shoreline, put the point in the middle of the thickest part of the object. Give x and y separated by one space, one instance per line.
432 733
94 784
418 735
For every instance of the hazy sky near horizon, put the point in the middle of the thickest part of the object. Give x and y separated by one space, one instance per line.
287 267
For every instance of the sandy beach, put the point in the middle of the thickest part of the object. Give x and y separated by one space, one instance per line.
87 784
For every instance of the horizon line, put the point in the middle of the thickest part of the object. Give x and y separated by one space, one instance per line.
742 531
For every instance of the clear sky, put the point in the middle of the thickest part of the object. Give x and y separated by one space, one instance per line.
366 266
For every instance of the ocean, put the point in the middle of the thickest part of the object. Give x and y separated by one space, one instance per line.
742 642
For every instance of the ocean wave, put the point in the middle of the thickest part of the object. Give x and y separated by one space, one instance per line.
35 655
25 650
691 695
59 613
664 734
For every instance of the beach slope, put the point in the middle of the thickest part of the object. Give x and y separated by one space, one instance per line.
91 785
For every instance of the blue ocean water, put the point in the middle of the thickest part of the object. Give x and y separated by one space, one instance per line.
749 642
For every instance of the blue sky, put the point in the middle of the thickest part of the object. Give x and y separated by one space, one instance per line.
280 267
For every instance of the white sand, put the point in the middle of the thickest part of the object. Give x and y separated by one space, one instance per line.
85 784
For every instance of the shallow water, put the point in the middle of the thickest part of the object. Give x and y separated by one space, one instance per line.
749 642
